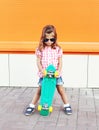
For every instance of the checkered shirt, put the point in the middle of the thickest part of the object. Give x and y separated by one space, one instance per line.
49 56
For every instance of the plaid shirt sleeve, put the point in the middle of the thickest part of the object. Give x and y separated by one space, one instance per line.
38 52
60 53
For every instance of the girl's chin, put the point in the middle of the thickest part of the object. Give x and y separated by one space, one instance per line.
49 44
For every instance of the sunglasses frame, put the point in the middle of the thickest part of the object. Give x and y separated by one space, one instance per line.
51 39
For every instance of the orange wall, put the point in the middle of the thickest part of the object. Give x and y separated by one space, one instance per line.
75 20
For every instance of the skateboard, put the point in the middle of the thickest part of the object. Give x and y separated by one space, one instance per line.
47 91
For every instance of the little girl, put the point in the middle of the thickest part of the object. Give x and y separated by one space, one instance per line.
49 52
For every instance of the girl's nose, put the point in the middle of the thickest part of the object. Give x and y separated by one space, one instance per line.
49 41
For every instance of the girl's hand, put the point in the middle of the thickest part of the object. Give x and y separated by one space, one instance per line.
44 72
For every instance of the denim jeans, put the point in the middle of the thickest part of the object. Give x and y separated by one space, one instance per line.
59 81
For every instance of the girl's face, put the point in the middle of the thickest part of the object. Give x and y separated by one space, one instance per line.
49 40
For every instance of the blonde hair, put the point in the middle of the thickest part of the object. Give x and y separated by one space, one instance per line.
48 29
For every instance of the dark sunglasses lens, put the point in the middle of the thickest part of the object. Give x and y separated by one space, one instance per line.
52 40
46 40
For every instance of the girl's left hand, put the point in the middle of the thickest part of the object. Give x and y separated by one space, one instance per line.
44 72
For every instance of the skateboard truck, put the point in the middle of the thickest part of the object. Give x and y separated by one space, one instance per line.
50 74
45 107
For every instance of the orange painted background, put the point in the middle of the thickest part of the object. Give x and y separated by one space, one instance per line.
75 20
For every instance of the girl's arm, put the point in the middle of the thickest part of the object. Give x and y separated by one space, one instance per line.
39 64
59 64
58 72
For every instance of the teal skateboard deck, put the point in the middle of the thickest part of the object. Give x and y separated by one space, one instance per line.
47 91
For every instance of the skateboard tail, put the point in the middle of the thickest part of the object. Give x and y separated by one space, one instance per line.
45 111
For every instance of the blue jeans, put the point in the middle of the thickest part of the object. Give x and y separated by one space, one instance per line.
59 81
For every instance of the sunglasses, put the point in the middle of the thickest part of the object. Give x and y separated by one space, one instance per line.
51 39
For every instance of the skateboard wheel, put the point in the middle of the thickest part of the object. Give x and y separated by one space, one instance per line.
45 72
56 73
39 107
50 109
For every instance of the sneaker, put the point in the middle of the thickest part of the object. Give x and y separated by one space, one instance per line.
68 110
29 111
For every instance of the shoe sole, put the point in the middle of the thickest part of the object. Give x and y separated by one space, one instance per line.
68 113
27 114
